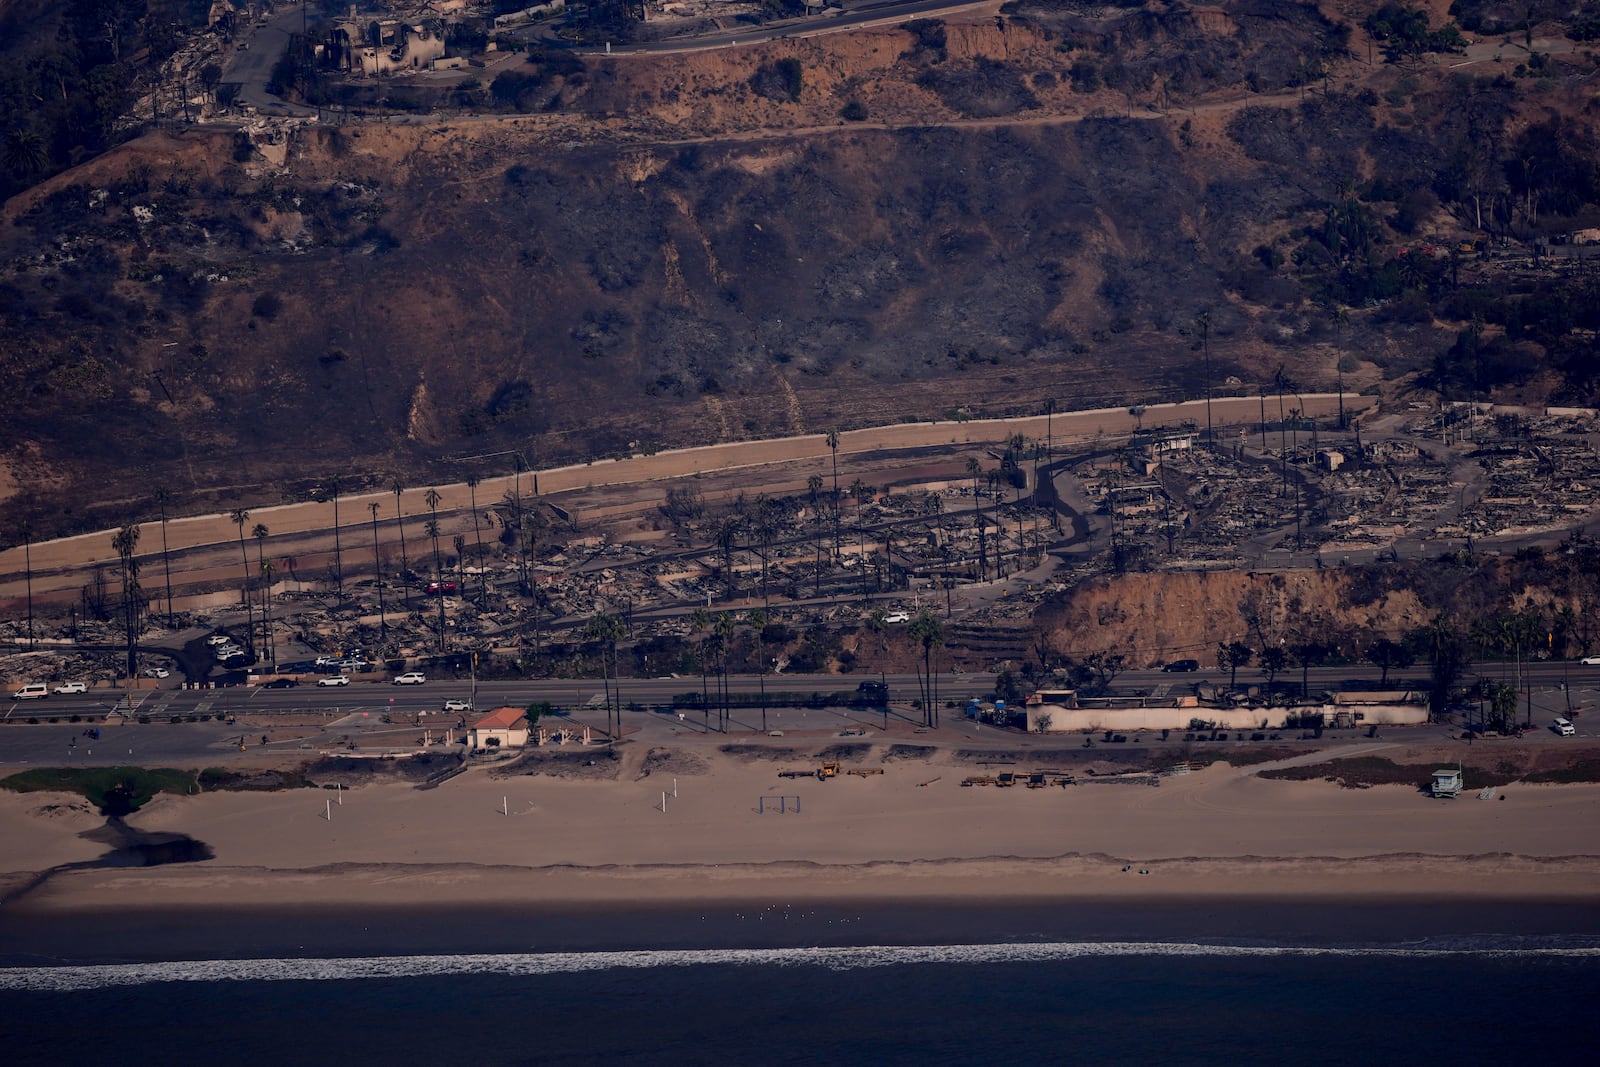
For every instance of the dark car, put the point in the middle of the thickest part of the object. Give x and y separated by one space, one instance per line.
1182 665
281 683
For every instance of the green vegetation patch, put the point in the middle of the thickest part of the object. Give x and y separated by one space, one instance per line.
114 790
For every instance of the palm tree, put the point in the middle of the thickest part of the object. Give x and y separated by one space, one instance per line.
727 538
700 621
472 487
974 468
338 558
431 527
240 516
766 525
400 522
878 623
814 487
126 542
377 565
724 626
25 151
1203 322
757 618
432 498
162 498
259 532
267 571
927 628
608 629
460 543
833 445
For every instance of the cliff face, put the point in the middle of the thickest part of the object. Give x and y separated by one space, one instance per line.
1155 618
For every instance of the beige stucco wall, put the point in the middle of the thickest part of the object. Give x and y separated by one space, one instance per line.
1126 720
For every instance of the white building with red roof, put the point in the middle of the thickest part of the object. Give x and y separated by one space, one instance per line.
501 728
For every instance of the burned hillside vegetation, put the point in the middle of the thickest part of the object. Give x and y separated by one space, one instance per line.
1036 207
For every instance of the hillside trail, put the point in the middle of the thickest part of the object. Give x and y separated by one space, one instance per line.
1141 113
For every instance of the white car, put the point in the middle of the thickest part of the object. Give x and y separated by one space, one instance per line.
155 672
31 691
337 679
219 639
68 688
897 616
1590 661
458 705
410 678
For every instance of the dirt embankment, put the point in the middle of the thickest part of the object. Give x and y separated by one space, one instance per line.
1166 616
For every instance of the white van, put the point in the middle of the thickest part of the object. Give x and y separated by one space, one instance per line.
32 691
1564 728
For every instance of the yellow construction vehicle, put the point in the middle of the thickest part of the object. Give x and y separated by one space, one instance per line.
830 769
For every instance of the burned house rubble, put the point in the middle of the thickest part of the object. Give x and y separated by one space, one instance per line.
977 535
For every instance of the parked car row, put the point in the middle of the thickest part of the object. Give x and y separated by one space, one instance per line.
356 662
40 690
228 652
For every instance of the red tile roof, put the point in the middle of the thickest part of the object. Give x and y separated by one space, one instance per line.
499 719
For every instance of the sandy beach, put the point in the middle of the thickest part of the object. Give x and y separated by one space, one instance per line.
913 832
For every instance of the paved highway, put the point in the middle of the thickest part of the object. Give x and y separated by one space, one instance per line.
376 716
849 16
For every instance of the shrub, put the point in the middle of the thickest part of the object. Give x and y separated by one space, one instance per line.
854 111
782 80
267 306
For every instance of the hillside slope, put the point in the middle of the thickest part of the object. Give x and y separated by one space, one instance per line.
1034 207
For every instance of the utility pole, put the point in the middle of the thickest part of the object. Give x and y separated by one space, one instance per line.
27 565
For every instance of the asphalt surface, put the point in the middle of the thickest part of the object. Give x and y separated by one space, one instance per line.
379 717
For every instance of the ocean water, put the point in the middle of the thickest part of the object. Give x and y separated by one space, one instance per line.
1466 999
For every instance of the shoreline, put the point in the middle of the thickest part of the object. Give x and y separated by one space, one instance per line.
356 912
1026 880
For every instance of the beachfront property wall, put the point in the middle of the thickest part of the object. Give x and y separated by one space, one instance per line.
1125 720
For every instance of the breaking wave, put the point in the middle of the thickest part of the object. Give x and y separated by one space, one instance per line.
99 976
